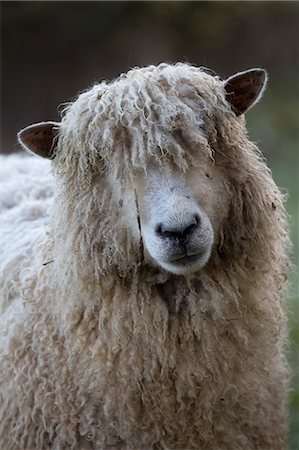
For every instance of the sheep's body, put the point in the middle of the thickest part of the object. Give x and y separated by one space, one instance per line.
110 351
26 197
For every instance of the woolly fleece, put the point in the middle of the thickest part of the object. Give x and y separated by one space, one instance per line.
99 349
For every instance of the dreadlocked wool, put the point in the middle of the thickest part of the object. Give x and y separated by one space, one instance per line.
102 349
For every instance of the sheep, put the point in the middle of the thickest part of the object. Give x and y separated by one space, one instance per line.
145 310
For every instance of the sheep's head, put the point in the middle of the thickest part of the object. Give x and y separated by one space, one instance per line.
154 139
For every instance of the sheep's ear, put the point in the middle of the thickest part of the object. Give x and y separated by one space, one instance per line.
40 138
244 89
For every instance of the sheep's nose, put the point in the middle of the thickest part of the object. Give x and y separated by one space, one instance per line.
178 234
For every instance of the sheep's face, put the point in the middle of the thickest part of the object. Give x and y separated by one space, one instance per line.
180 214
143 145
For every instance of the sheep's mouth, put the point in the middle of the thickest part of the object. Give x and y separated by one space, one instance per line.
186 259
185 264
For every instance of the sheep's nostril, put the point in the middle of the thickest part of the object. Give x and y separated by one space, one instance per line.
158 230
197 220
191 226
189 230
181 233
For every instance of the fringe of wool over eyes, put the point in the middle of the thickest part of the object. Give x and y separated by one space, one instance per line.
93 357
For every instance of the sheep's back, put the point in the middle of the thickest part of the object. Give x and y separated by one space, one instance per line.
25 199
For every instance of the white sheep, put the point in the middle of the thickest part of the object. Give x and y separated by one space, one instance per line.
145 312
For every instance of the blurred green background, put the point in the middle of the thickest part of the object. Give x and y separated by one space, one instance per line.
52 50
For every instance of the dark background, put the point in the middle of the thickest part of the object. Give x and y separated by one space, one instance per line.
52 50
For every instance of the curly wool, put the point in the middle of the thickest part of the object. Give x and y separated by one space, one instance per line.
109 352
